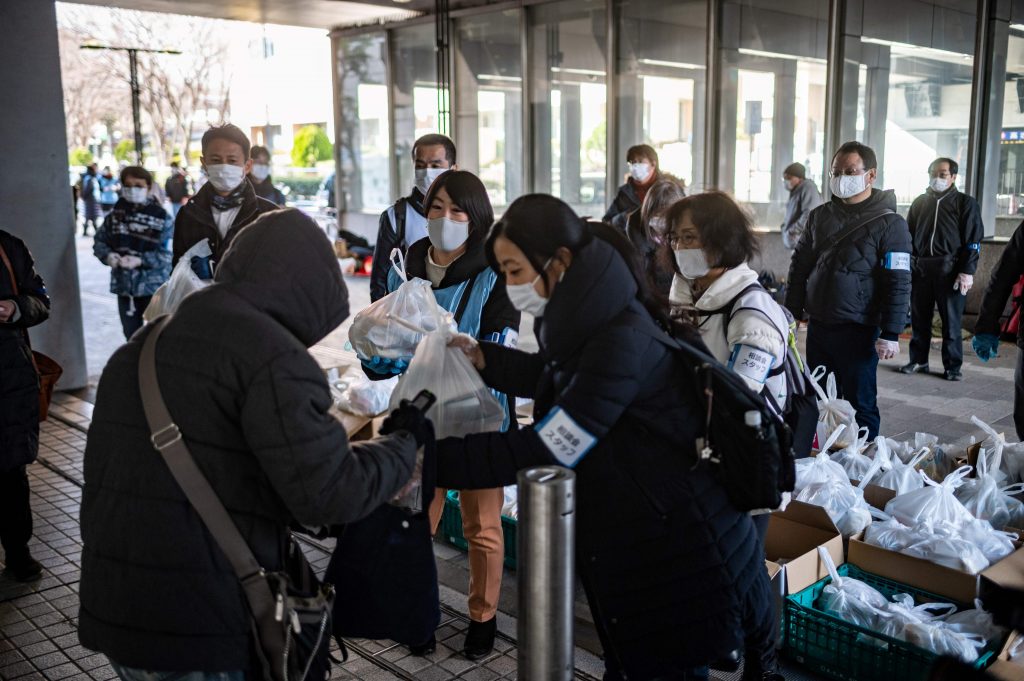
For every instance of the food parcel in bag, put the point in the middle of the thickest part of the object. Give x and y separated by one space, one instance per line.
843 502
900 612
893 473
355 393
889 533
940 462
981 495
392 327
853 458
935 502
851 600
833 412
940 543
464 404
821 467
182 283
1011 466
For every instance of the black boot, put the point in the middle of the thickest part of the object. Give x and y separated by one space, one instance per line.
480 639
424 649
23 568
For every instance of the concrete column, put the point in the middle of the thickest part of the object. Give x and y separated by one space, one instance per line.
35 190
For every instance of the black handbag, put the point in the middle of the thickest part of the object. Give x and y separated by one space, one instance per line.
385 571
289 610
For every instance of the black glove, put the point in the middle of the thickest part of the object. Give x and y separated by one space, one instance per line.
410 419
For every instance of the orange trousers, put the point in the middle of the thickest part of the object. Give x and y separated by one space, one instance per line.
481 525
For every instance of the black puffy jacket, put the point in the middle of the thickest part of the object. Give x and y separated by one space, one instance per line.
1008 271
947 227
863 280
195 221
666 561
156 590
19 382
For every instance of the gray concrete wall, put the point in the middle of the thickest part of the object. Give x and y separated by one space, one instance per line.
35 192
775 257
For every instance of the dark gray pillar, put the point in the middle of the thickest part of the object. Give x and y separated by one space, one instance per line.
35 199
783 126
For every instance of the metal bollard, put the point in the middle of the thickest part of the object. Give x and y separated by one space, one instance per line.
546 564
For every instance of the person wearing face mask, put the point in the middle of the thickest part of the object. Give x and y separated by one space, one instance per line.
260 177
178 188
947 231
803 198
227 202
109 187
405 223
451 258
134 242
669 567
643 173
850 274
646 229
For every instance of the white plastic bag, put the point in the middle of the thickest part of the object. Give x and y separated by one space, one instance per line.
849 599
393 326
942 545
182 283
843 502
889 534
357 394
903 477
1011 456
464 404
510 506
821 467
975 621
942 640
852 457
993 544
901 612
832 411
934 503
981 495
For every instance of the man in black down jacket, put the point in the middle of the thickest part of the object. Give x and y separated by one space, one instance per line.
851 274
947 231
156 591
986 329
19 403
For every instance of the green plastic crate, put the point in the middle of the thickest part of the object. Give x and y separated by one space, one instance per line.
451 529
843 651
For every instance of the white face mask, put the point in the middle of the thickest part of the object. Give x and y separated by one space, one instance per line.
640 171
445 234
940 184
426 176
225 177
260 171
524 297
692 263
135 194
845 186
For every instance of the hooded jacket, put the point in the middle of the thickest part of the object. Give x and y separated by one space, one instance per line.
803 198
665 560
143 230
19 382
195 221
757 323
947 232
252 404
865 279
1008 271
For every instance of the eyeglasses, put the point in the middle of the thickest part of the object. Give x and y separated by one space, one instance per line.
848 171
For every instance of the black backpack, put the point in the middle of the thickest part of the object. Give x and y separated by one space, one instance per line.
800 411
748 448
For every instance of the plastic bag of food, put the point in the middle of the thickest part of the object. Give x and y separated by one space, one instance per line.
357 394
392 327
889 534
941 640
980 495
852 457
843 502
975 621
833 411
903 477
934 503
942 545
851 600
182 283
901 612
1011 455
464 404
993 544
821 467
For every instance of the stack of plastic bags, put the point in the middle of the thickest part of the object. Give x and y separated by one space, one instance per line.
464 403
833 412
935 627
823 482
852 457
889 471
392 327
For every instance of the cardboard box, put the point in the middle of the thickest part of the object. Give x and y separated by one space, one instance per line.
958 586
791 546
1004 669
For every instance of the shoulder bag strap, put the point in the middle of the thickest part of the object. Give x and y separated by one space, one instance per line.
846 233
167 439
400 207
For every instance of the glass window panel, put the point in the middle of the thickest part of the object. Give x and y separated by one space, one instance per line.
568 102
772 100
365 180
917 70
414 88
489 115
662 83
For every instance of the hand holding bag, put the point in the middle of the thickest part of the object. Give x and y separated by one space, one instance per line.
289 610
48 369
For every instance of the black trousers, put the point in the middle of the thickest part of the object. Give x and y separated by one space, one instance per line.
131 315
848 351
927 293
15 514
1018 395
